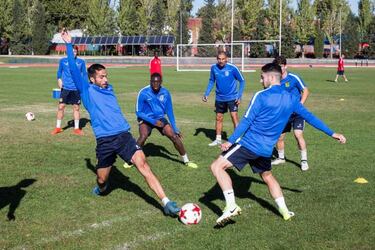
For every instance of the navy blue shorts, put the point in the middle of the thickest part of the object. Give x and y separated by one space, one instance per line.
70 97
222 107
239 156
107 149
296 122
340 72
150 126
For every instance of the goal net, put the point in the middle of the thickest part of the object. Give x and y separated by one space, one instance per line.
200 57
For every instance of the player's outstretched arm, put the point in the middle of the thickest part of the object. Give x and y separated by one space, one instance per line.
80 83
210 85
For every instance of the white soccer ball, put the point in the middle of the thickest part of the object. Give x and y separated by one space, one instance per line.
190 214
30 116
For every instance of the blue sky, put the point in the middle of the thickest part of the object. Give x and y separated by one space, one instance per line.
199 3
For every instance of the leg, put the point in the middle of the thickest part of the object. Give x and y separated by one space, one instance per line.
218 168
337 76
298 134
280 145
59 117
144 132
346 79
76 116
235 120
219 128
102 175
277 194
139 160
168 131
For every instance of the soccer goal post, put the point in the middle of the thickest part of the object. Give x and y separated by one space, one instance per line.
200 57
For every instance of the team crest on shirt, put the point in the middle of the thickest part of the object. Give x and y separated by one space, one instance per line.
287 84
161 98
226 73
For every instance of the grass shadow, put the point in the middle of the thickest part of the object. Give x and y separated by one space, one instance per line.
330 81
210 133
13 195
151 149
117 180
82 123
241 186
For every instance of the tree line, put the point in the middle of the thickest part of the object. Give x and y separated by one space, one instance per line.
28 25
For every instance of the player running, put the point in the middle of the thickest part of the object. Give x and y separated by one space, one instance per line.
295 85
69 94
225 75
253 140
153 103
340 68
111 129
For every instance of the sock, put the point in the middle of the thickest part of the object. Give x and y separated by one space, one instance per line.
218 137
304 155
102 186
165 200
76 124
281 203
58 124
281 153
185 158
229 197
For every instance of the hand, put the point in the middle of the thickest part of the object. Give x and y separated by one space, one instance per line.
66 36
159 124
238 101
339 137
225 146
204 98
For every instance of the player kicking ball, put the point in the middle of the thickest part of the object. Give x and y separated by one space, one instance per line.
111 129
153 103
253 140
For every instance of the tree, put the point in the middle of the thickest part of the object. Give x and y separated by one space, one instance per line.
207 13
157 22
223 21
182 24
288 41
351 36
304 19
173 16
319 41
259 49
19 40
5 18
101 18
249 12
329 13
365 10
130 18
39 29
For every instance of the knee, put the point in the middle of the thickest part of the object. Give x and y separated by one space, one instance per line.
142 138
266 176
219 117
61 108
215 167
174 138
101 179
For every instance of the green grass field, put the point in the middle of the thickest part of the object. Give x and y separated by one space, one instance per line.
54 208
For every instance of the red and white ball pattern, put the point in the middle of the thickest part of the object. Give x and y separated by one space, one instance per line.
190 214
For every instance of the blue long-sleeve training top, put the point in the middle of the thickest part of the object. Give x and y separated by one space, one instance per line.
226 82
101 103
293 84
151 106
266 117
64 74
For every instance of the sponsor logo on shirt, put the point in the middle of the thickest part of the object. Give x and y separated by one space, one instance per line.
287 84
161 98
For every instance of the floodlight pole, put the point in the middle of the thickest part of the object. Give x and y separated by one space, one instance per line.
340 32
231 35
281 6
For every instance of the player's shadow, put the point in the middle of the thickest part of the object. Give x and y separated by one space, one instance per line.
13 195
241 186
151 149
210 133
82 123
330 81
118 180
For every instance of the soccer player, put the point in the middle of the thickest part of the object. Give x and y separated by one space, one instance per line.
340 68
295 85
69 94
225 75
153 103
111 129
155 64
253 140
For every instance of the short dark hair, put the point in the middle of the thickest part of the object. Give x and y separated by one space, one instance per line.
155 75
280 60
91 71
76 47
271 67
221 52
